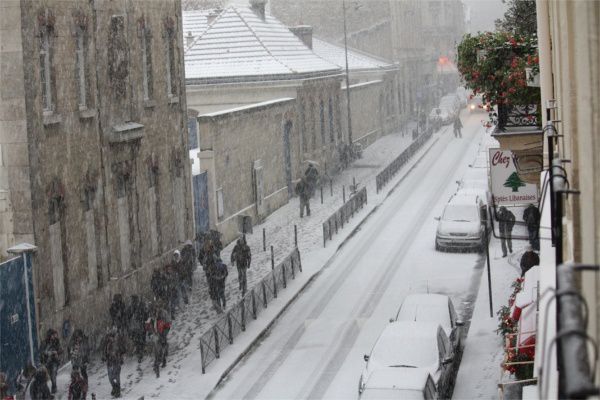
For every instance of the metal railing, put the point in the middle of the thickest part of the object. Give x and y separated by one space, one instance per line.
392 169
343 214
236 319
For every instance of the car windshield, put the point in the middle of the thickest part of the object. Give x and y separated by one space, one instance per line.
460 213
412 352
384 394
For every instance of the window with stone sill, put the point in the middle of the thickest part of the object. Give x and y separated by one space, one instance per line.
171 57
147 74
331 121
322 120
46 32
82 68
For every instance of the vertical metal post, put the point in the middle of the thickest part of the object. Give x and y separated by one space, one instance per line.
343 194
331 187
321 194
264 240
489 273
353 185
295 235
272 259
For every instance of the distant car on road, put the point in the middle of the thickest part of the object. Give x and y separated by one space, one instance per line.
439 116
410 351
462 224
436 308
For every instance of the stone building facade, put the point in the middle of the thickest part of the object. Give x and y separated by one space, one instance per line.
94 144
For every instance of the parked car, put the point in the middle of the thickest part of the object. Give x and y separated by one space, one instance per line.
461 225
412 350
451 103
437 308
391 383
439 116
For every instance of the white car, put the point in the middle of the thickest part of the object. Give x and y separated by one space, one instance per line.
390 383
412 350
437 308
462 224
439 115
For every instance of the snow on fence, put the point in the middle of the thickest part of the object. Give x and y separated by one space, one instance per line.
235 320
386 175
343 214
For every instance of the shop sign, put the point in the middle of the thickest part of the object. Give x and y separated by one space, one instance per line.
508 187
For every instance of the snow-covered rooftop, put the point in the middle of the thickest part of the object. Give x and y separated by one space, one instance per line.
357 60
240 46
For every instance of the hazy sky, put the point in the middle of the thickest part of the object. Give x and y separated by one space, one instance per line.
484 13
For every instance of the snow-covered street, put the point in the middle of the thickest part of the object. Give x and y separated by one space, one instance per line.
315 350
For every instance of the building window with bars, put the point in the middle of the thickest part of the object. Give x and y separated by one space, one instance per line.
146 45
331 121
322 120
171 76
80 45
46 30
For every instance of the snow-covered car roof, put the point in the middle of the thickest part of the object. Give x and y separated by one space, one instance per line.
406 344
391 394
398 378
426 307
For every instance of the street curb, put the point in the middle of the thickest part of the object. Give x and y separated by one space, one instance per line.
263 333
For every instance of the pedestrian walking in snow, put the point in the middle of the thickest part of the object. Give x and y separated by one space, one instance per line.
4 387
39 387
113 349
79 352
506 222
78 387
188 259
158 283
457 127
303 192
172 288
50 354
208 259
180 274
220 276
215 239
241 257
118 313
531 216
24 381
158 327
137 314
312 178
529 259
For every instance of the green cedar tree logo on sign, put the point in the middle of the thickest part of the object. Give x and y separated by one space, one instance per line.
514 182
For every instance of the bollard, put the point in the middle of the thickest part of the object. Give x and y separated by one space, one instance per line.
295 236
343 194
353 185
272 259
321 194
264 240
331 187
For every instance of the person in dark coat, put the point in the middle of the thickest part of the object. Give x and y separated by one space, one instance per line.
39 387
181 275
188 259
312 178
215 239
50 354
113 349
531 216
172 286
219 276
529 259
79 352
457 127
241 256
506 222
78 387
158 284
208 259
4 387
137 314
158 327
303 192
118 313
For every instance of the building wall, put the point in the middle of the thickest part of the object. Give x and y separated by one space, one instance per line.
367 107
98 195
570 58
16 225
233 144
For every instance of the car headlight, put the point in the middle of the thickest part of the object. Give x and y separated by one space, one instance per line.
472 106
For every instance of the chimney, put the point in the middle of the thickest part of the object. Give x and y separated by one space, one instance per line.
258 7
189 39
304 33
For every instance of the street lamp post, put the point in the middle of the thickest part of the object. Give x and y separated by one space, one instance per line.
347 78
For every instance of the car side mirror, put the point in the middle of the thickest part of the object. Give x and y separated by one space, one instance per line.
459 322
366 357
447 360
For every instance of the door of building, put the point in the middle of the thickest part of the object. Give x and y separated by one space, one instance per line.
18 337
201 216
287 157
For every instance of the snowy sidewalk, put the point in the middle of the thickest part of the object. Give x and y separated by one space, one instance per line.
183 366
479 371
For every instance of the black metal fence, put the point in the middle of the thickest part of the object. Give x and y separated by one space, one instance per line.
387 174
235 320
343 214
